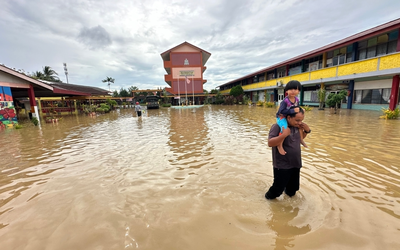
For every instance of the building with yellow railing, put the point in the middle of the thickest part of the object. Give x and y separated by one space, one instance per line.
366 64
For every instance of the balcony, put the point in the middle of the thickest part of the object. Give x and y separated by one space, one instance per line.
167 64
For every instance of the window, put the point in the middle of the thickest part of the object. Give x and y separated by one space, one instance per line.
378 46
362 54
270 76
381 50
391 48
349 57
372 96
371 52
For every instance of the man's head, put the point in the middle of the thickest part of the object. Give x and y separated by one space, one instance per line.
295 120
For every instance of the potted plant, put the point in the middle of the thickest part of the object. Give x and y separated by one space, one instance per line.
334 99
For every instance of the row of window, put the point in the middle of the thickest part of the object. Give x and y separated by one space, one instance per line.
366 96
373 47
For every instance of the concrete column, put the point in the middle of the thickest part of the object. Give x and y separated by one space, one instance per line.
394 95
350 97
32 102
301 96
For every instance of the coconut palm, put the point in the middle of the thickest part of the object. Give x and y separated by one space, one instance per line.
37 75
109 80
50 75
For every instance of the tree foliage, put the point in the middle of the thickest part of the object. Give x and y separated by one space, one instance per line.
124 93
108 80
236 91
48 74
115 93
334 99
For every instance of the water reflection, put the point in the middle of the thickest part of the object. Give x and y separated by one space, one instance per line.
195 179
280 222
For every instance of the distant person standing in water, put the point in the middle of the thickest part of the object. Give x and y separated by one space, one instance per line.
287 166
138 110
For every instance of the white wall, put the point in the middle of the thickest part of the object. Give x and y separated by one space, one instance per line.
378 84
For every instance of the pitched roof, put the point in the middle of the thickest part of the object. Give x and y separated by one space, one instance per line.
73 89
165 55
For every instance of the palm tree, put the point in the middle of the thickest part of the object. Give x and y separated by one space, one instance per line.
37 75
109 80
49 74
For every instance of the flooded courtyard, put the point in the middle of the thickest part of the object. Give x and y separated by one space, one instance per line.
196 179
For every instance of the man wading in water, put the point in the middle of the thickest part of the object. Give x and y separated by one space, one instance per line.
287 167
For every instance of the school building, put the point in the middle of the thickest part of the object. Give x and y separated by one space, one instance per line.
185 65
366 64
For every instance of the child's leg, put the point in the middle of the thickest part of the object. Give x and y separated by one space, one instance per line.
282 122
302 138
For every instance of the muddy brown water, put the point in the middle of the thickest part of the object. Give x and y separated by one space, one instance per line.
195 179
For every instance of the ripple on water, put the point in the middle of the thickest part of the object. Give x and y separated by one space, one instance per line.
175 178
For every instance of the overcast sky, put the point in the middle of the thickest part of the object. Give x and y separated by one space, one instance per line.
123 39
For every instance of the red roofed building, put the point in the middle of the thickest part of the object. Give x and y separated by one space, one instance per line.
185 65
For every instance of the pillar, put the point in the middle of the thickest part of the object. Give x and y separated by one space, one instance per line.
394 94
350 96
301 96
32 102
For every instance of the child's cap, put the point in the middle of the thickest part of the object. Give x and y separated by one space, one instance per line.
137 103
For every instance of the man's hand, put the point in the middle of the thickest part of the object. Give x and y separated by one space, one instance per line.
304 127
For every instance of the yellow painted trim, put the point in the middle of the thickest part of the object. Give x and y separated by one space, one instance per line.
323 73
301 77
389 62
271 83
358 67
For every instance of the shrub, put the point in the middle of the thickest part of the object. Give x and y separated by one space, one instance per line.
269 104
99 110
166 104
390 114
105 107
236 91
307 108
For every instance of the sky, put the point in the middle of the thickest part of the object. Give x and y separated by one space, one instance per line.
123 39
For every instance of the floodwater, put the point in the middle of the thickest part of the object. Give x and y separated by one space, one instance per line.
196 179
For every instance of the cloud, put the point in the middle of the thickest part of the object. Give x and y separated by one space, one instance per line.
94 38
124 39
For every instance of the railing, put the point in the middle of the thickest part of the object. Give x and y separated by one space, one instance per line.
49 110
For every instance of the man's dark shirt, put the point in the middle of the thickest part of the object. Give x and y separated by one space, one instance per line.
291 145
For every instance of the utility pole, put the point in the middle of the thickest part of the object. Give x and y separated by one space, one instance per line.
66 71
